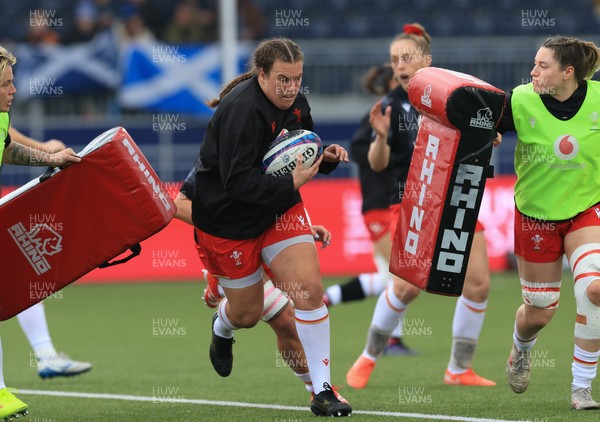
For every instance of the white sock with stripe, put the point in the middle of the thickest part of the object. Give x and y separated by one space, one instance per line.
388 315
223 328
584 367
522 343
389 311
466 327
313 331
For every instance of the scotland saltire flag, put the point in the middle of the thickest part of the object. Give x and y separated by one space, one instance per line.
171 78
54 70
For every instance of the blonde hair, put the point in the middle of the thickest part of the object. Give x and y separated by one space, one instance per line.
584 56
6 59
417 33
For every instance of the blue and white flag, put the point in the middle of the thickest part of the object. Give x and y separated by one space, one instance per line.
56 70
171 78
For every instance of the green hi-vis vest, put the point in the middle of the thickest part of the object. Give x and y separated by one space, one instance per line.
4 122
557 161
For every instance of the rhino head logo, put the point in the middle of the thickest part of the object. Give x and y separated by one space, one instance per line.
484 114
47 241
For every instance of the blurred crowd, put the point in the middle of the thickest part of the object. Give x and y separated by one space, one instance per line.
170 21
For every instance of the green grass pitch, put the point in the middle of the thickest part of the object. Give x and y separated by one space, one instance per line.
151 340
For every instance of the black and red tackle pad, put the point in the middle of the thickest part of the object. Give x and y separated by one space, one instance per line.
61 226
444 188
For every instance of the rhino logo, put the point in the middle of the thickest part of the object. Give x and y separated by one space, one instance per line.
36 244
426 97
46 239
484 119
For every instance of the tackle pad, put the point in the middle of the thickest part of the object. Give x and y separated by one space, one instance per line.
62 225
445 183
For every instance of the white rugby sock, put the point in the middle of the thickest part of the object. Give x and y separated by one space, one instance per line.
334 293
584 367
223 328
372 284
397 332
307 381
389 311
34 325
388 316
521 343
468 318
313 331
466 327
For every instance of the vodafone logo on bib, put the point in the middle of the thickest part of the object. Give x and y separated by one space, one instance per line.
566 147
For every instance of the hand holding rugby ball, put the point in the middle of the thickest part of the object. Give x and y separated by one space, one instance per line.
281 156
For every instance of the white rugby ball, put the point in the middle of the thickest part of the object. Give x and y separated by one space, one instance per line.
281 156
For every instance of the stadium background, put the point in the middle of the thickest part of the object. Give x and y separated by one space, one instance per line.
88 65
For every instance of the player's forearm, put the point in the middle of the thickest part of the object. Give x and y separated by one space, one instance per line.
22 139
22 155
379 154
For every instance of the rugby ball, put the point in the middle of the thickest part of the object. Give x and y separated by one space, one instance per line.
281 155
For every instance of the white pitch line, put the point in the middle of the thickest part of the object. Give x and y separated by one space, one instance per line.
249 405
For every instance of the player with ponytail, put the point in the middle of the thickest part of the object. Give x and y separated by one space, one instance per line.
557 200
395 123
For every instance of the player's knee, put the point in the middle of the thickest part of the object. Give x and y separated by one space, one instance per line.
593 292
477 288
538 318
585 264
405 292
306 290
247 320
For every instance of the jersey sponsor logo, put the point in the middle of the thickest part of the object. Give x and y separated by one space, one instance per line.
484 119
597 211
237 257
298 114
326 361
406 106
566 147
37 244
537 241
426 97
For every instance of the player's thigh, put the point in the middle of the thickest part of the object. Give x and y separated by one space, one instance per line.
245 304
537 272
297 270
582 236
